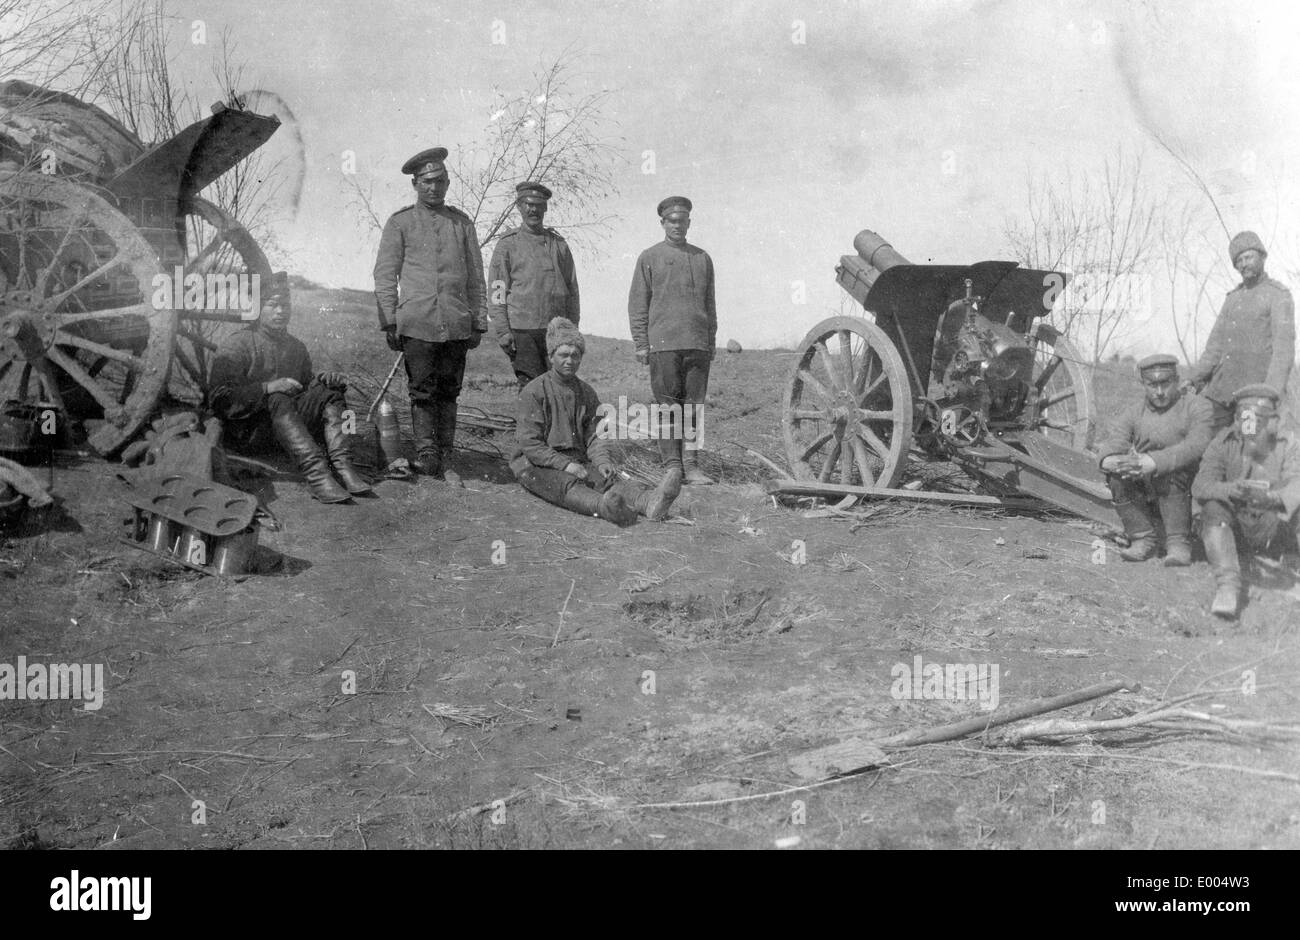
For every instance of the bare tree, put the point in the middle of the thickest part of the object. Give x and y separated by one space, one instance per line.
45 41
548 131
1192 266
1103 232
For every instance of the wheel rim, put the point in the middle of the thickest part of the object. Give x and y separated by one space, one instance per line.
211 242
1060 399
847 415
77 320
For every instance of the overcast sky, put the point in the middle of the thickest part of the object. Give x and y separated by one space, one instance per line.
921 121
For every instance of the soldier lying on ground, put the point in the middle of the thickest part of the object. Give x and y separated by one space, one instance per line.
1249 489
264 389
559 454
1150 459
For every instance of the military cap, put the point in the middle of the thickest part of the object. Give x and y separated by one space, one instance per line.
531 188
673 202
1258 390
277 285
1160 362
1244 241
417 163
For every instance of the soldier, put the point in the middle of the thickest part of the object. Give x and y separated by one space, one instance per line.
532 281
263 387
562 455
430 251
674 324
1253 339
1150 459
1249 488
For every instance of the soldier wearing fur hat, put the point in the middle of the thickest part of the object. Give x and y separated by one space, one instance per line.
432 305
562 452
1248 486
674 322
264 389
531 281
1150 459
1253 339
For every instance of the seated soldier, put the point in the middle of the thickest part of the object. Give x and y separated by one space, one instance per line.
559 454
1150 459
263 387
1249 488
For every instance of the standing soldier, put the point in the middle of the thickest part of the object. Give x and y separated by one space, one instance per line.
531 282
432 305
674 322
1150 459
1253 339
1248 487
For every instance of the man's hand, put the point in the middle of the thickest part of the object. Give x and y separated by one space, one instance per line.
643 357
337 380
392 338
1126 466
507 344
475 337
576 469
286 386
606 471
1146 465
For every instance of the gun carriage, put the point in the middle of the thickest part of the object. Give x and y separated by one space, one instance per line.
953 362
90 218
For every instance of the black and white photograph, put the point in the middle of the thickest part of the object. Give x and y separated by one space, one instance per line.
652 425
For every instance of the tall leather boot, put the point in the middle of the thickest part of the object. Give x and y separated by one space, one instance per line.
694 475
608 505
297 442
445 416
1139 529
428 459
1221 552
1176 513
655 503
336 445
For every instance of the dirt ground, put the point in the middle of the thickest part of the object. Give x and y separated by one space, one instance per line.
541 703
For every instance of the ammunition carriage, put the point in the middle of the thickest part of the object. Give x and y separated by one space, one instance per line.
90 217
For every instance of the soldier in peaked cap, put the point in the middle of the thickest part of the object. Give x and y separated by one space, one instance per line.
531 281
1150 458
1253 339
432 305
1249 490
674 322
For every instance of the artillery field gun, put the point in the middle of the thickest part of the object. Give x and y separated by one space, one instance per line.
116 278
956 363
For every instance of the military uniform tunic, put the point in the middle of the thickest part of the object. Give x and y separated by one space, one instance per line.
671 305
1174 438
429 275
1253 340
531 281
246 360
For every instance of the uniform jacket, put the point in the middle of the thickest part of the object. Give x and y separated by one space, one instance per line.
1225 460
556 423
670 305
531 281
429 275
1253 340
1174 438
248 358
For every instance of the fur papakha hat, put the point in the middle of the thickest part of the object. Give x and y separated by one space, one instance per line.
562 332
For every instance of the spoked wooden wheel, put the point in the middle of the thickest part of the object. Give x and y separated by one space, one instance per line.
78 326
221 251
847 414
1060 399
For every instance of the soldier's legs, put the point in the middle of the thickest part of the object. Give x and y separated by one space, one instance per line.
297 439
434 373
530 359
595 496
695 386
1132 503
1174 499
1218 535
668 386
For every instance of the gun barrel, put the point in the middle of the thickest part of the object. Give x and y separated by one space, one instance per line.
877 252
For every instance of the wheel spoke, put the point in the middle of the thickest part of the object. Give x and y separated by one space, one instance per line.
198 263
809 414
864 465
874 442
108 352
78 374
139 310
810 382
53 302
201 341
829 466
1047 372
865 415
815 446
1056 399
77 218
846 359
834 372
